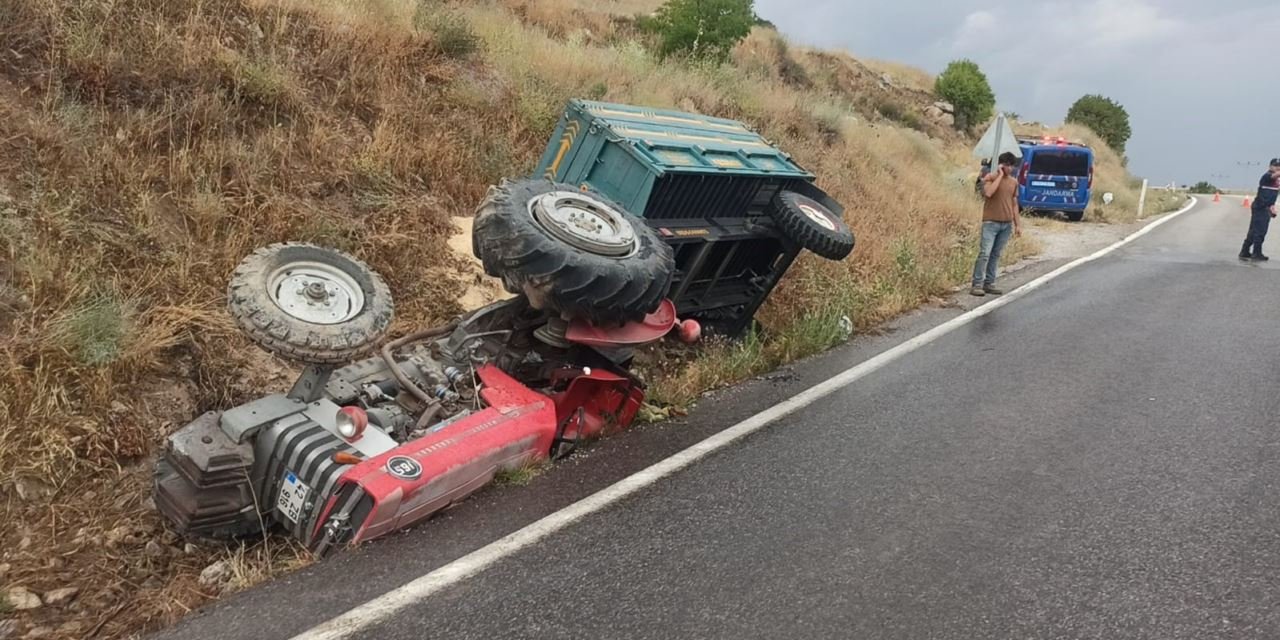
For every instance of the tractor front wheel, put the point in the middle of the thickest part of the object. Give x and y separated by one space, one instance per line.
309 304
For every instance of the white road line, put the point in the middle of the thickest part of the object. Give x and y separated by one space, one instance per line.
383 607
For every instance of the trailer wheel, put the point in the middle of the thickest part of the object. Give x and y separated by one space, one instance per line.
812 226
571 251
309 304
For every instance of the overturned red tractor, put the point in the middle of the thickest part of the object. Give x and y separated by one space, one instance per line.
357 450
363 445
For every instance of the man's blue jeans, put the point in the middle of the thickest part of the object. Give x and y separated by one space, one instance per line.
995 235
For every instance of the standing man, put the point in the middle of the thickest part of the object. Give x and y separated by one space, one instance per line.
1264 209
999 221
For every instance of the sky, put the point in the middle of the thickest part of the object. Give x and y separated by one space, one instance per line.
1200 80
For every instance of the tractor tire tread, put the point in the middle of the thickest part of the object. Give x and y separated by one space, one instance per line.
832 244
603 290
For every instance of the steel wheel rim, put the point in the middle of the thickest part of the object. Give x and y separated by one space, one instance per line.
315 292
819 217
584 223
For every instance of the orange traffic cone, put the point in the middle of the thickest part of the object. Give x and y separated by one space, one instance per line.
1217 197
1246 201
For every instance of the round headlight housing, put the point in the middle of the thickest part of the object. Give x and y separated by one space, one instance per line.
351 423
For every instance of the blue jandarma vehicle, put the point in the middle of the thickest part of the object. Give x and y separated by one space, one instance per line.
1056 175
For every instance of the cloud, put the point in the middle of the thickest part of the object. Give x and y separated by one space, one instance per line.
977 32
1121 23
1063 35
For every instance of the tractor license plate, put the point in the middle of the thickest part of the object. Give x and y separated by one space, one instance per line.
293 495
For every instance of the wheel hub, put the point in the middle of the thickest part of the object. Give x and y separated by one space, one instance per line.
584 223
316 293
817 216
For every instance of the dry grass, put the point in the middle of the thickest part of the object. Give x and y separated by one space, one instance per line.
146 146
608 7
906 75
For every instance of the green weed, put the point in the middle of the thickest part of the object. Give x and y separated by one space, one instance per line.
97 329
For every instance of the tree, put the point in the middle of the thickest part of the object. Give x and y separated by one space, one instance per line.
1203 187
702 28
965 86
1105 116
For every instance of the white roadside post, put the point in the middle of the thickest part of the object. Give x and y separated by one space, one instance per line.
1142 199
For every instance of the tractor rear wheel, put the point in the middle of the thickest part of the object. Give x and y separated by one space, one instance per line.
571 251
812 226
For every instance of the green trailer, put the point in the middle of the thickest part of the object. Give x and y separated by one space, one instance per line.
735 209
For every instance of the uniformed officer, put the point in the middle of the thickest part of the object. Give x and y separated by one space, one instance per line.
1264 209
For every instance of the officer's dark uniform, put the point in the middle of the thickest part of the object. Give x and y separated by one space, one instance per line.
1268 188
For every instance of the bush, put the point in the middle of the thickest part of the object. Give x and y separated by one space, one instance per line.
96 330
1105 116
890 110
789 69
1203 187
450 32
965 86
707 29
901 114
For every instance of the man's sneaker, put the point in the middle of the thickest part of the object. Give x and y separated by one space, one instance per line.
992 290
1246 257
1258 257
977 291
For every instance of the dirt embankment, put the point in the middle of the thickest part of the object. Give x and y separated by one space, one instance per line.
478 288
145 148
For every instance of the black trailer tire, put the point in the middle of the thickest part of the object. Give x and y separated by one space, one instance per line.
268 296
812 226
617 277
1074 216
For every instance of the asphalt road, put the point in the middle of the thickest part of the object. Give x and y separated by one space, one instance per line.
1095 460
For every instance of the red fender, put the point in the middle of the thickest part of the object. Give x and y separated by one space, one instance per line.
607 400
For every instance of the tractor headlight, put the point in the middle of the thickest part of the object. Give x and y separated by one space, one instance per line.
351 422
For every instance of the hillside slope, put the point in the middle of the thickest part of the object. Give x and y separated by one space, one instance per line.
145 147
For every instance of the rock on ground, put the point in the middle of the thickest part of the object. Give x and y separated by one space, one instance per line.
215 574
938 115
60 596
22 599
